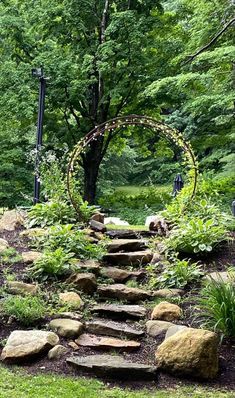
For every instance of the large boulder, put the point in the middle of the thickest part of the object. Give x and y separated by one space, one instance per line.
85 282
123 292
190 352
23 345
11 220
166 312
66 327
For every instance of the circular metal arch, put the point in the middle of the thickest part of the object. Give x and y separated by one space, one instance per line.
171 134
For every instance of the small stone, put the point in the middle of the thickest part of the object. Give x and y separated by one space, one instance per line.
110 328
73 345
66 327
157 328
57 352
72 299
166 311
30 257
85 282
123 292
113 366
120 275
190 352
16 287
125 311
3 245
23 345
168 293
98 226
130 258
174 329
87 340
157 258
11 220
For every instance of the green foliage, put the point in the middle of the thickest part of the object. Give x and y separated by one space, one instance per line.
26 310
72 241
9 256
217 303
179 274
52 264
50 213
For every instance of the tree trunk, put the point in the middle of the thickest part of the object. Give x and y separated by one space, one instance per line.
91 164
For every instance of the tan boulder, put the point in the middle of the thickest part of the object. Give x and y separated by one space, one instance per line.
16 287
168 293
71 299
31 256
66 327
166 311
157 328
190 352
57 352
11 220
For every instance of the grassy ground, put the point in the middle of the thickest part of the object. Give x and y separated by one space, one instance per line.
20 385
136 189
127 227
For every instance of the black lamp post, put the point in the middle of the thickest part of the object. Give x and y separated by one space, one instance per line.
178 184
38 72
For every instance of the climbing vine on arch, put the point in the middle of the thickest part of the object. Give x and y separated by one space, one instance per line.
163 130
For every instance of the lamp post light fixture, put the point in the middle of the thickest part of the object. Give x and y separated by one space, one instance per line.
178 184
38 73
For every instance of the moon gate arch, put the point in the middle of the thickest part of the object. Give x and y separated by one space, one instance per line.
162 129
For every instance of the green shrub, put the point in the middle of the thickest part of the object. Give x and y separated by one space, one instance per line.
217 303
71 241
27 310
180 274
50 213
52 264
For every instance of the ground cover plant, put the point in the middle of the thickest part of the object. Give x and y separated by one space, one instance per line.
27 310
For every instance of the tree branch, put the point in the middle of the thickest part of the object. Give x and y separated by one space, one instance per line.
213 40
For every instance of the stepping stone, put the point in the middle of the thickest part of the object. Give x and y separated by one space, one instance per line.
128 245
115 329
97 226
88 340
85 282
130 258
129 234
66 327
122 292
30 257
23 345
90 266
122 311
157 328
113 366
120 275
15 287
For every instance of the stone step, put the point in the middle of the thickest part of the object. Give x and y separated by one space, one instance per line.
123 292
121 275
129 234
129 258
121 311
114 329
89 340
113 367
128 245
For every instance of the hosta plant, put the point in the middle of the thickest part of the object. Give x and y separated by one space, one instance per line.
50 213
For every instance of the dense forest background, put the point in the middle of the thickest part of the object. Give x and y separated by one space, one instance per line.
108 58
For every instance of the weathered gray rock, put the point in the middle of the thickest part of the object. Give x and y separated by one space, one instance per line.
3 245
191 352
69 315
16 287
157 258
113 366
174 329
130 258
168 293
120 275
128 245
90 266
66 327
85 282
157 328
71 299
98 226
98 217
11 220
123 292
31 256
125 311
166 311
220 277
88 340
57 352
23 345
115 329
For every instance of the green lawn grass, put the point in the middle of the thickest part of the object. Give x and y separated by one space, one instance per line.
137 189
127 227
17 384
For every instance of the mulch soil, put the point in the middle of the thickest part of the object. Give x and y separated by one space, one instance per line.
146 354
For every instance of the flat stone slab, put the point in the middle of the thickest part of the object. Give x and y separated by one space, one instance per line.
130 258
89 265
110 328
157 328
17 287
123 292
128 245
88 340
119 274
85 282
129 234
23 345
123 311
113 366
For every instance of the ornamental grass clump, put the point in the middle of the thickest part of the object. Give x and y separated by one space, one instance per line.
217 303
26 310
